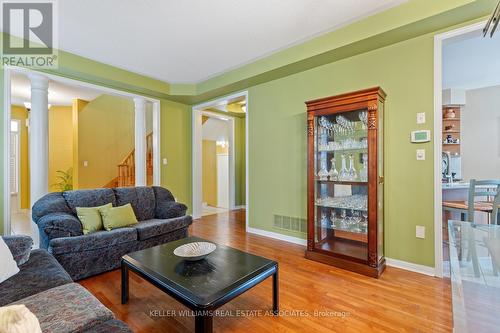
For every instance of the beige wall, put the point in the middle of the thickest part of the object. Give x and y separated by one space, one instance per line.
105 138
209 173
60 143
481 134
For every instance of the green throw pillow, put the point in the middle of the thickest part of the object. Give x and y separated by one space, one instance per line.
91 218
117 217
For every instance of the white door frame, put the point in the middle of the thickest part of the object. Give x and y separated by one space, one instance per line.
438 148
197 189
7 117
18 163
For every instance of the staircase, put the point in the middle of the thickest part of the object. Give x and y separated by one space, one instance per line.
126 169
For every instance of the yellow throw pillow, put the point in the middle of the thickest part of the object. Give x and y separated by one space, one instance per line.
91 218
118 217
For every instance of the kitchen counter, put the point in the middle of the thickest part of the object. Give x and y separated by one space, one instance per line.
459 186
455 186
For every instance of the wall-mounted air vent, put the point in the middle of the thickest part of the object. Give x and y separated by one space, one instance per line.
290 223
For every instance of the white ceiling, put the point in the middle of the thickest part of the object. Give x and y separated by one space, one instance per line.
187 41
471 62
59 93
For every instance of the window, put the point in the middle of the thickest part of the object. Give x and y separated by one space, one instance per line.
14 126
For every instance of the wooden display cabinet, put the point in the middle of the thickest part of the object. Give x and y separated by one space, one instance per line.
345 189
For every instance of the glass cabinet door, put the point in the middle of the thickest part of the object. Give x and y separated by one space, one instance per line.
341 183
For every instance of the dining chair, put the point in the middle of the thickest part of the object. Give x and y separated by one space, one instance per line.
488 192
488 189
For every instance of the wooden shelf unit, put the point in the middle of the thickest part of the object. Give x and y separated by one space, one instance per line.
361 252
455 132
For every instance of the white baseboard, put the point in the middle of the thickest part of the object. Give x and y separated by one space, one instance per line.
278 236
426 270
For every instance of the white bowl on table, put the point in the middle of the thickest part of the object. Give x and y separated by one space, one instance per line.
194 251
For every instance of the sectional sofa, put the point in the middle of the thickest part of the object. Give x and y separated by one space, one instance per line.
47 290
161 219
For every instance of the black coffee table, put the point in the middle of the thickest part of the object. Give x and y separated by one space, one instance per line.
202 286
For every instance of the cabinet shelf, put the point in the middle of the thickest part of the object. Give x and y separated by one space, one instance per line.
451 131
451 119
360 150
355 183
340 207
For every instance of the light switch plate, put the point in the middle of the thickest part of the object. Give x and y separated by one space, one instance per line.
85 163
420 231
420 154
421 118
165 161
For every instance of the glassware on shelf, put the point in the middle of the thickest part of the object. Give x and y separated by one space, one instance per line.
364 222
356 202
363 116
344 173
323 173
353 175
333 218
363 173
324 220
334 174
343 219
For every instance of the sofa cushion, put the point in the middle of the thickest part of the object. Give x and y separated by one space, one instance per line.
142 200
118 217
156 227
20 247
111 326
93 241
39 273
48 204
8 266
91 218
89 198
68 308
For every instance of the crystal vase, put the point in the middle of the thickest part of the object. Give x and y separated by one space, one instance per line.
353 175
344 173
334 174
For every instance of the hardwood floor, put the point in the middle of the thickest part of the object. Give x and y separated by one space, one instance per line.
397 302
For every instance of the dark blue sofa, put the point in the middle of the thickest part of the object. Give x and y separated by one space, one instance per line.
43 286
161 220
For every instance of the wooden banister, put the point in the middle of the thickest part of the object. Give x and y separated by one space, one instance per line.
126 169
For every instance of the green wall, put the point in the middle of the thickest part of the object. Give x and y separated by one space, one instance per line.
277 125
176 147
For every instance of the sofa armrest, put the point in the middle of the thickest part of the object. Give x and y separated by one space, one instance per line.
170 209
57 225
20 246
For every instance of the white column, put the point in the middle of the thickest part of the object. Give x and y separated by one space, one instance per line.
39 137
140 141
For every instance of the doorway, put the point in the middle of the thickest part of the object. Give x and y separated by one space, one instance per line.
215 164
87 147
466 124
220 140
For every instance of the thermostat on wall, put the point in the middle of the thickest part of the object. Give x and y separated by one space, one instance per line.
420 136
